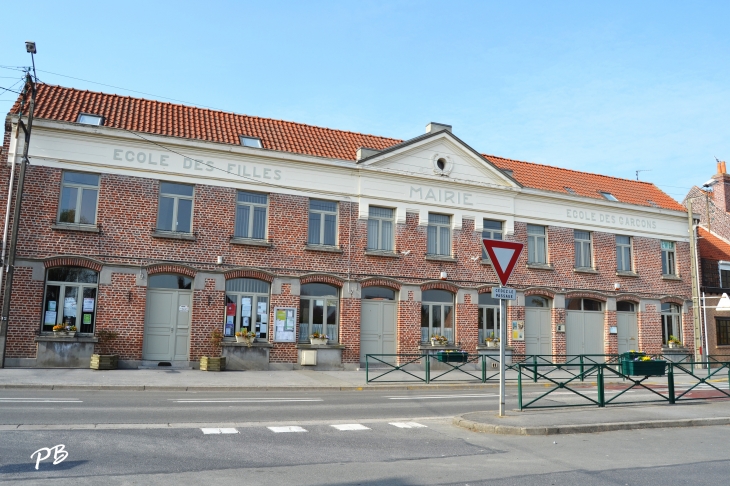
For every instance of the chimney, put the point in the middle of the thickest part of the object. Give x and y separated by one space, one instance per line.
364 153
721 188
437 127
721 167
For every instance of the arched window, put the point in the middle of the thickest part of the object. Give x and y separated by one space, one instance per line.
584 305
624 306
378 293
247 307
318 311
488 317
437 315
671 322
169 281
536 301
70 298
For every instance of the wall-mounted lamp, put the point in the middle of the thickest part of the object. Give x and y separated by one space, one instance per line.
616 286
406 252
219 260
474 258
443 276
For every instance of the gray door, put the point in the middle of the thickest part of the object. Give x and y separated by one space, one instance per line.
538 331
167 325
377 329
584 333
628 332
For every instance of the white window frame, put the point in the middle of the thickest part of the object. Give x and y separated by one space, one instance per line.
442 310
674 315
328 301
482 321
723 266
583 249
491 234
532 242
669 258
620 250
252 208
255 318
86 118
321 215
61 300
247 141
381 245
439 227
79 194
176 199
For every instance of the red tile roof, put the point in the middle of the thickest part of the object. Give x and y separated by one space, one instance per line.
711 247
162 118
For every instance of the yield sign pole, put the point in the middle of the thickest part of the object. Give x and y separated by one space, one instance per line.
504 256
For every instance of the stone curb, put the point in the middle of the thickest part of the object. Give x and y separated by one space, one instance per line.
226 388
460 421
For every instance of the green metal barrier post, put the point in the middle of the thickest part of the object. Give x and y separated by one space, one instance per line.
519 388
599 383
670 382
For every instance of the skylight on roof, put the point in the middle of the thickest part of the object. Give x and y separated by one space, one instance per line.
250 141
570 191
608 196
87 119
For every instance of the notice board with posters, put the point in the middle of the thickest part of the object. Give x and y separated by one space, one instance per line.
285 319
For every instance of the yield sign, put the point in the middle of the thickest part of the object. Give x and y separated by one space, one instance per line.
504 255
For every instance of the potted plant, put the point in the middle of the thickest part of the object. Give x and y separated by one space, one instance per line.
437 340
318 338
70 330
105 361
491 341
214 363
674 342
451 356
58 330
245 336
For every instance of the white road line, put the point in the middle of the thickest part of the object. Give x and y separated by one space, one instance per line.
407 425
430 397
249 400
291 428
37 400
350 427
219 431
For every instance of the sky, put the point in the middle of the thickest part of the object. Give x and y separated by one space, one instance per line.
605 87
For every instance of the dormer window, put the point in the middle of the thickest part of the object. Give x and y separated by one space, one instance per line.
87 119
608 196
250 141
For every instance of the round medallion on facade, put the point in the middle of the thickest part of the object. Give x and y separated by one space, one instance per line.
442 164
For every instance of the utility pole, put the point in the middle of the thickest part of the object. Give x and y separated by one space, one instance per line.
10 263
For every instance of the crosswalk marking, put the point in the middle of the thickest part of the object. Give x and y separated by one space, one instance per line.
407 425
219 430
350 427
291 428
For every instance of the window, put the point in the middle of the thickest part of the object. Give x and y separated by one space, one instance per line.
169 281
250 142
624 306
536 301
322 222
247 307
79 196
583 251
318 311
90 119
671 322
488 322
437 315
70 298
380 229
623 253
724 274
723 331
438 234
492 231
608 196
536 244
378 293
176 207
668 258
583 304
251 215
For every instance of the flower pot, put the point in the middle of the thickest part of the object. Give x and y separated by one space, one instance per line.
491 344
317 341
643 368
434 342
672 345
208 363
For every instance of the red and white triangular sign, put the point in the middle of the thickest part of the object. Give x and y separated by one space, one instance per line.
504 255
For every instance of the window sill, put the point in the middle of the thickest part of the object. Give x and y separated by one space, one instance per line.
540 266
382 253
87 228
326 248
255 344
426 347
83 338
486 262
623 273
173 235
671 277
585 270
250 242
441 258
320 346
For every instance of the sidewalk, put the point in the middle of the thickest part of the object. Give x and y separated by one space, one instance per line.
593 419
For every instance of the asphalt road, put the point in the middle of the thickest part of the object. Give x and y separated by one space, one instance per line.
365 448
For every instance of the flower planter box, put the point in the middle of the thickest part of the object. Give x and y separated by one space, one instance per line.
212 364
248 340
631 355
492 344
453 357
104 361
317 341
643 368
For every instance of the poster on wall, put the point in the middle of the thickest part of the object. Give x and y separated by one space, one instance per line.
50 318
246 306
284 330
518 330
88 304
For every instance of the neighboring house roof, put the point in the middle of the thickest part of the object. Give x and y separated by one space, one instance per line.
711 247
161 118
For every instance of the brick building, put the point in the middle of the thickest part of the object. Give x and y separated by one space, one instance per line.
161 223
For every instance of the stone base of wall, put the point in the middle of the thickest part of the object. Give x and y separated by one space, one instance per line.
68 352
239 356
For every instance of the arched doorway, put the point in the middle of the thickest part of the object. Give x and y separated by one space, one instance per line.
167 318
378 315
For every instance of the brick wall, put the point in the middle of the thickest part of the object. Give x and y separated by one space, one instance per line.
121 310
207 316
283 352
24 319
